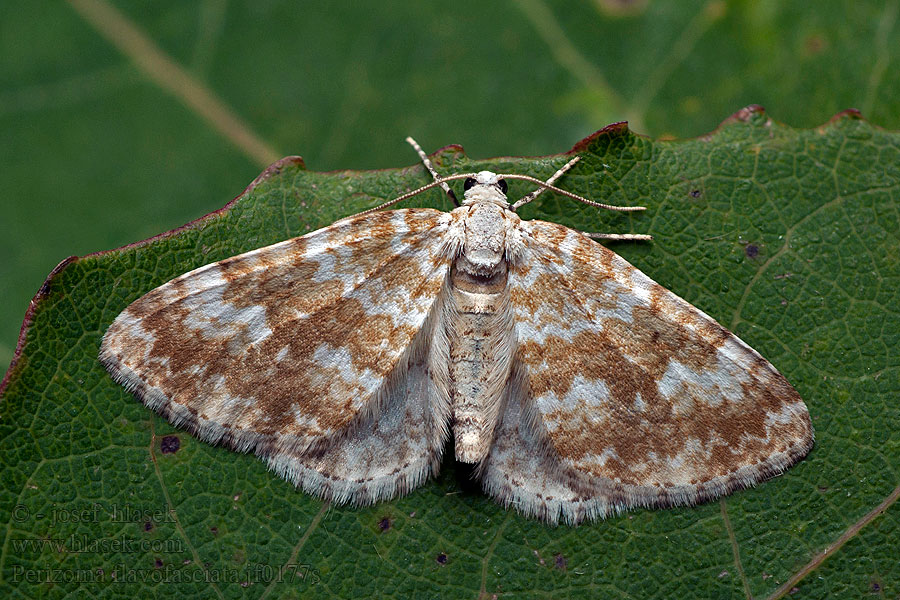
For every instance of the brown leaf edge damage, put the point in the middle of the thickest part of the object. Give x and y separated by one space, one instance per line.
747 114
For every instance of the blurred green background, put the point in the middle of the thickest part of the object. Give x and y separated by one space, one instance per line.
121 120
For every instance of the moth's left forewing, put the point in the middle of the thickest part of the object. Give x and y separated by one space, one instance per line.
640 398
312 353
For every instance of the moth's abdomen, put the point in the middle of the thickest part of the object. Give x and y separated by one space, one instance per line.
482 340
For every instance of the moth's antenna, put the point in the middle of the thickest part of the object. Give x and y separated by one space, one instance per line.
530 197
439 181
427 162
546 185
553 188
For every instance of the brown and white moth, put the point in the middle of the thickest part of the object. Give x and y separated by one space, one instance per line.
345 357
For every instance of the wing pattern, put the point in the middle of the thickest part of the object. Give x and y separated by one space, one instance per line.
626 395
290 349
342 358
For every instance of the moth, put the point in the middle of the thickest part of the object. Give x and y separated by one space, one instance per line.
346 357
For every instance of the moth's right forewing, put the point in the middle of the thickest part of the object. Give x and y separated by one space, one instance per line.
633 396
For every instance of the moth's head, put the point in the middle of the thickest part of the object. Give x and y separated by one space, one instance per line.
486 186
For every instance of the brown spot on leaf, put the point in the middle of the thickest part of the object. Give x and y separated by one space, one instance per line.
561 562
169 444
385 523
442 559
751 250
815 44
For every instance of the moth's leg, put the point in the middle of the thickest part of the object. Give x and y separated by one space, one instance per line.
619 237
559 173
629 237
427 162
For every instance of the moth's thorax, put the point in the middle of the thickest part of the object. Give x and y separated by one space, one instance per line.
489 235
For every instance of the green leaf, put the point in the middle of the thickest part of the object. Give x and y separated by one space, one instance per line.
99 149
788 237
